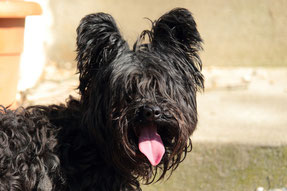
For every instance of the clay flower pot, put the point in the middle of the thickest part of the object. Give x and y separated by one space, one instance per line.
12 23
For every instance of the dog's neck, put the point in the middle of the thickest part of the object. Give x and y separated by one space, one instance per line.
82 160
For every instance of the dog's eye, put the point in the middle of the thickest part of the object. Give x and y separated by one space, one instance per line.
128 99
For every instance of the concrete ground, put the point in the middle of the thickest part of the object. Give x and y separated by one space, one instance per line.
239 105
244 105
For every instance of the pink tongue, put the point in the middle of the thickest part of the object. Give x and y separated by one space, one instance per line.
150 144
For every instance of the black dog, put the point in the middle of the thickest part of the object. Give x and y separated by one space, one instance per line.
134 119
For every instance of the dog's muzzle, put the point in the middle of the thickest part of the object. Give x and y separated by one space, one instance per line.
150 142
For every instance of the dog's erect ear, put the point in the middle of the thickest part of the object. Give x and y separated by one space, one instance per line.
177 27
177 31
99 42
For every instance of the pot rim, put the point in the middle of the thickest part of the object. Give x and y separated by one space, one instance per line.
18 9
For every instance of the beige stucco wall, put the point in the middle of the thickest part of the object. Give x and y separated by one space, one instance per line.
236 32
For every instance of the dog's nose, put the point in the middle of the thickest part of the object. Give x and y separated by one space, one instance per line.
150 113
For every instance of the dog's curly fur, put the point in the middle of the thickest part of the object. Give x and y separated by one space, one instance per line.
92 143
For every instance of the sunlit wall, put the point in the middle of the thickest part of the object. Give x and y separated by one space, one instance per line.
235 32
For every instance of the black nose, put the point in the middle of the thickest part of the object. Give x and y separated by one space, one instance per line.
150 113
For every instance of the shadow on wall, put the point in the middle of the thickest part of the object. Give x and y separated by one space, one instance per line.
235 32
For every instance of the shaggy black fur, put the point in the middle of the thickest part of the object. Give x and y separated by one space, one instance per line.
92 143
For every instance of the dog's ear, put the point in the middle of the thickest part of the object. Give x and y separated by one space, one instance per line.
177 27
99 42
176 32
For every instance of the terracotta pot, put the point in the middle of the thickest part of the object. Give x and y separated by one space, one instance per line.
12 23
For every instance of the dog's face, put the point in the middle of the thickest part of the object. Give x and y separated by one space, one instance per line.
140 104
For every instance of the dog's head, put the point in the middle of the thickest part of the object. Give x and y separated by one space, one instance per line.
140 104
